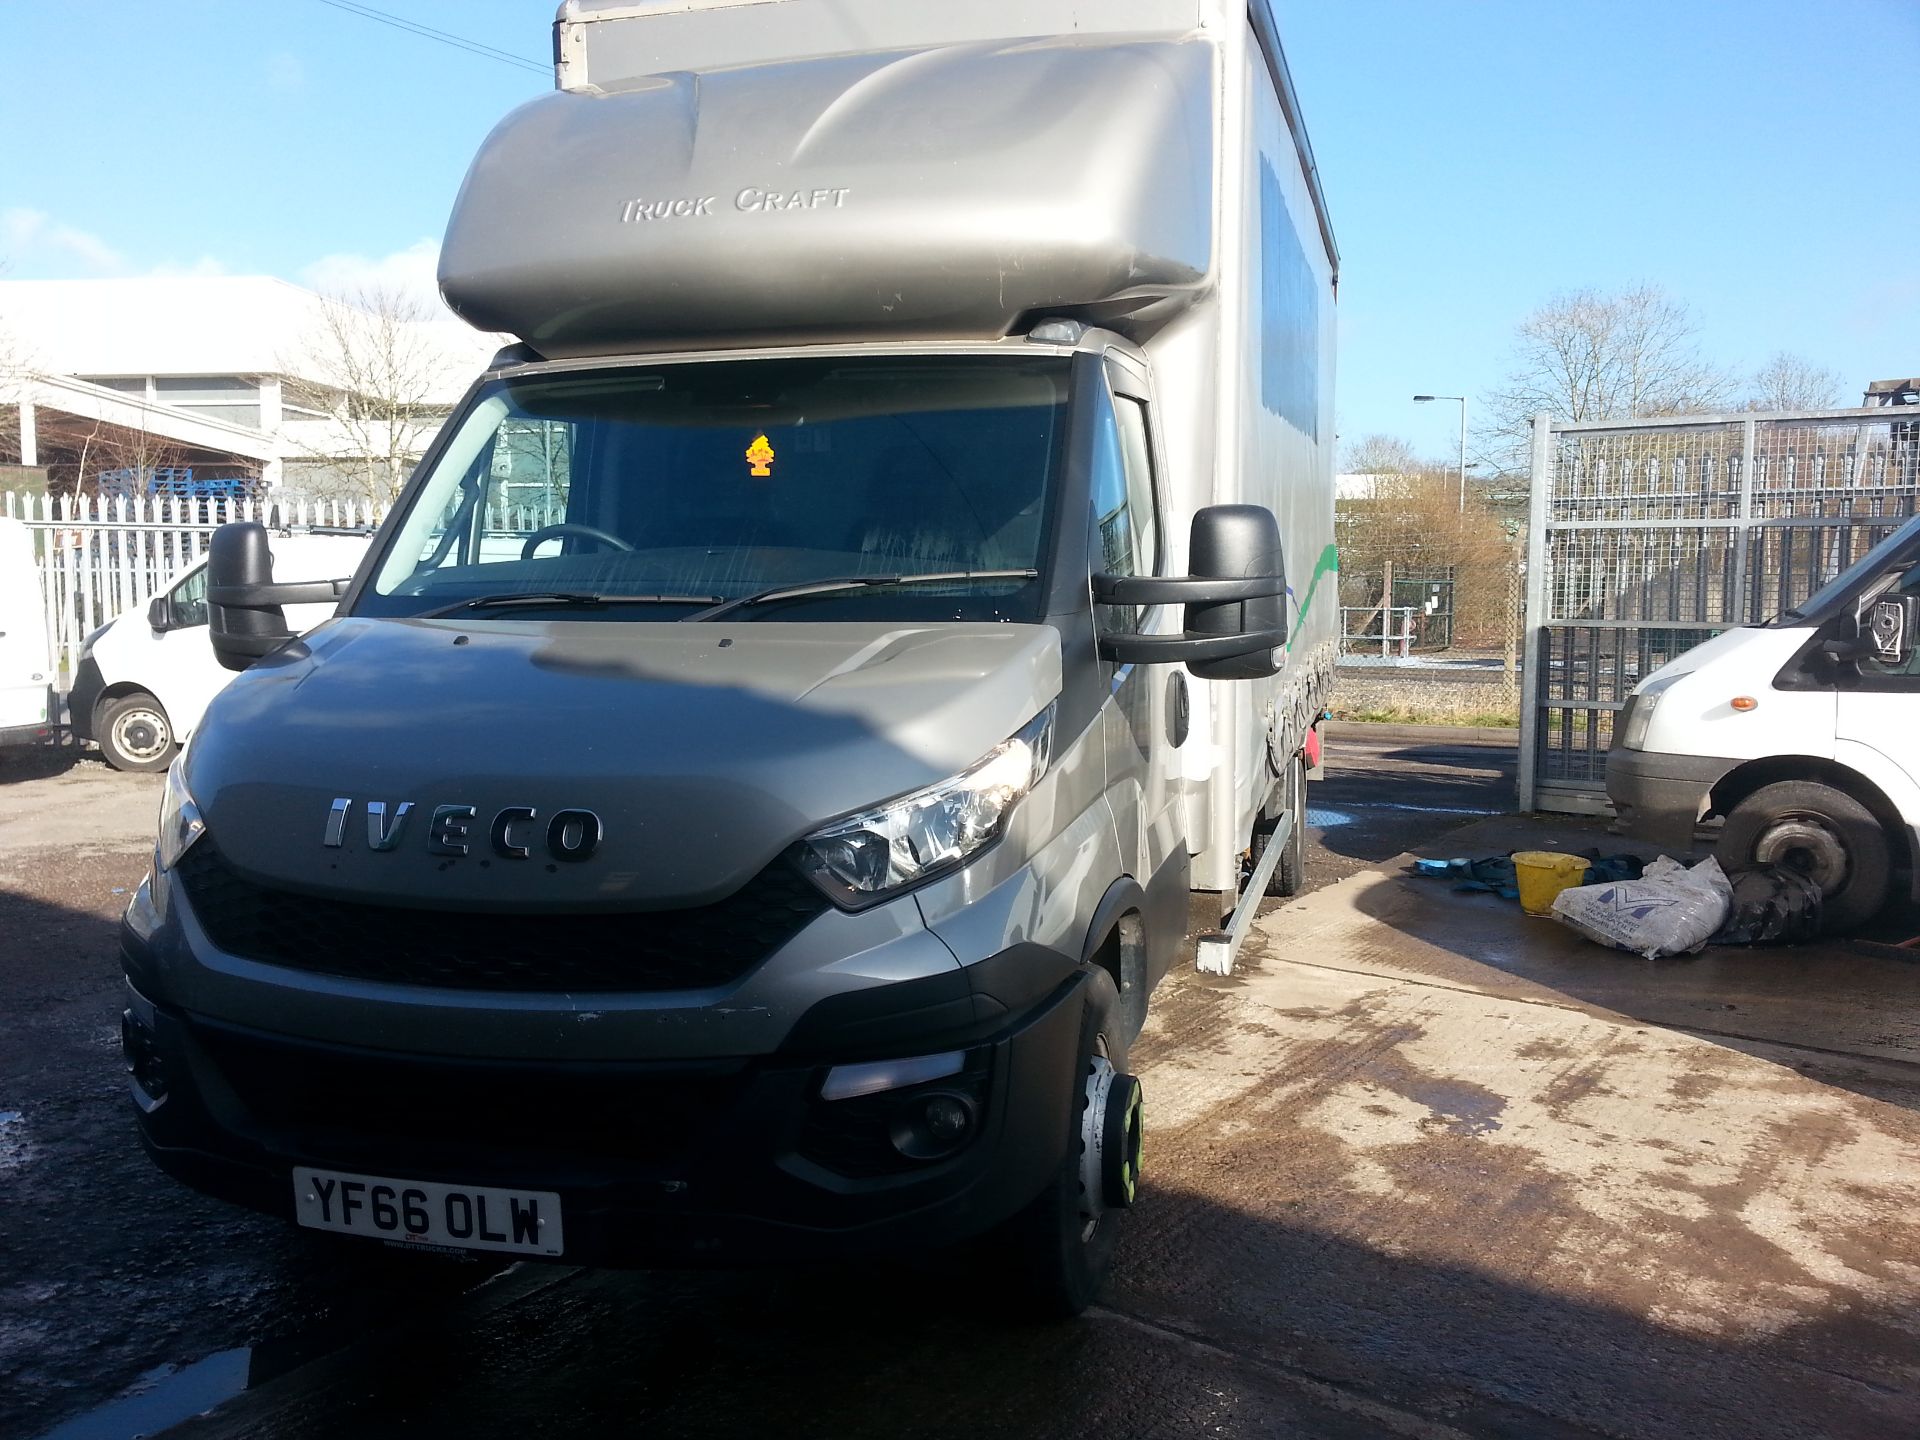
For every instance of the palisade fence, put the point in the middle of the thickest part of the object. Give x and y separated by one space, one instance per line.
100 556
1649 536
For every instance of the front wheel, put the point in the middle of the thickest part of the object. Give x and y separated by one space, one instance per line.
135 733
1823 833
1062 1245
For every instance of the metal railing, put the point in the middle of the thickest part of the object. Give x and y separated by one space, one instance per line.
98 557
1646 537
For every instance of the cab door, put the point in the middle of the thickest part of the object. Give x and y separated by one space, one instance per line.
176 665
1145 717
1880 710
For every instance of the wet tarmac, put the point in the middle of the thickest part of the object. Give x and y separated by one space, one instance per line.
1417 1169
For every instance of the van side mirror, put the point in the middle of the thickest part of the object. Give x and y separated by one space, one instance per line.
160 613
1235 599
1888 629
244 615
239 567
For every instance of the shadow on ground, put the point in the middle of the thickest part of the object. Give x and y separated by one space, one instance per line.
1225 1319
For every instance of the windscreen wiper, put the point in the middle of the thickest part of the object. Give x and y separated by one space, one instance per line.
583 599
852 582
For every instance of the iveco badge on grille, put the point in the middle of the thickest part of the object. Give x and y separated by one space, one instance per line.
569 834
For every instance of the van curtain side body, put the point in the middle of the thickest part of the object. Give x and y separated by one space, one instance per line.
753 785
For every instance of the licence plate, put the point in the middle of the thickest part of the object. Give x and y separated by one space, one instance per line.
419 1212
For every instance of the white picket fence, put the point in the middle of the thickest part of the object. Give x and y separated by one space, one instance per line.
98 557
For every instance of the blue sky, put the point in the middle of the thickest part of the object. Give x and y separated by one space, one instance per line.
1753 159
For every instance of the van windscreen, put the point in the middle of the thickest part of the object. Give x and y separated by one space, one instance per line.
651 493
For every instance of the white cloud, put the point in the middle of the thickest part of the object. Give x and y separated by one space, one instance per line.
409 272
33 237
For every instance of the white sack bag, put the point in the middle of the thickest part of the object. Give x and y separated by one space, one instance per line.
1670 910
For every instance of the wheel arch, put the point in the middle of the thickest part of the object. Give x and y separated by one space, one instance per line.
1116 940
1754 775
120 690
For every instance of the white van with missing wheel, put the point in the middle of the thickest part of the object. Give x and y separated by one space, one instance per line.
1798 734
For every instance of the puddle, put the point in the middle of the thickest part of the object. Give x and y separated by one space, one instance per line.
1459 1107
163 1398
14 1149
1328 819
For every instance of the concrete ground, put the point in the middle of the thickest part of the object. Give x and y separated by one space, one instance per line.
1421 1167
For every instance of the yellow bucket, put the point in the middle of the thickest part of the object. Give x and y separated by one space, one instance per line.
1543 874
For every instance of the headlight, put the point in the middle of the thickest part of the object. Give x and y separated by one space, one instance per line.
86 645
1641 706
875 855
180 822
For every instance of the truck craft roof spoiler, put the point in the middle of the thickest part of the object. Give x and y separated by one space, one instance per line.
958 192
602 44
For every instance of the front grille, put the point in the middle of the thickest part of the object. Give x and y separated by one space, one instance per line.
342 1102
642 950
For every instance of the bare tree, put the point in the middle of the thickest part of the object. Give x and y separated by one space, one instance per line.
1585 355
371 365
107 447
1413 526
1380 455
1793 382
14 369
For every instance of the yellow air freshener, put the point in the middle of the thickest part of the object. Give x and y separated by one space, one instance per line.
760 457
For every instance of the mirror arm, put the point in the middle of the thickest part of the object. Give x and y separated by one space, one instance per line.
1188 646
1183 589
255 597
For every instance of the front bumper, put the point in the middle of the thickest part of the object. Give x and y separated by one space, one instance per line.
84 698
1660 796
722 1162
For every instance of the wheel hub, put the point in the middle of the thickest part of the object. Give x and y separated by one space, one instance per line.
1798 842
1111 1134
141 734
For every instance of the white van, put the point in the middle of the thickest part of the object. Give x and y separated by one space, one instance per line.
147 675
26 668
1798 731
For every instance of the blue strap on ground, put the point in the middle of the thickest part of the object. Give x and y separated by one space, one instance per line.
1494 874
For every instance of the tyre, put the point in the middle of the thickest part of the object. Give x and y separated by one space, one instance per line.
135 733
1291 870
1823 833
1061 1247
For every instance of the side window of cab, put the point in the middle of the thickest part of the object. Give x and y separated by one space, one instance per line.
189 600
1900 677
1126 517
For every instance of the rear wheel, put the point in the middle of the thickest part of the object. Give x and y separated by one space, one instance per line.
1291 871
1062 1245
1823 833
135 733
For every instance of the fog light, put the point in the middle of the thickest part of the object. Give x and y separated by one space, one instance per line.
929 1126
143 1062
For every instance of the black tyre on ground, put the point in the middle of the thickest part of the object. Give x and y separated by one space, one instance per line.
1291 871
1060 1248
1826 835
134 733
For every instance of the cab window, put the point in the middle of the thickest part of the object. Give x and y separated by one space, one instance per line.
189 600
1123 501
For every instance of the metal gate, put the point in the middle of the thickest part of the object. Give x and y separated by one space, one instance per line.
1648 536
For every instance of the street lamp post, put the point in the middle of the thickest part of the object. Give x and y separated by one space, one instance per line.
1423 399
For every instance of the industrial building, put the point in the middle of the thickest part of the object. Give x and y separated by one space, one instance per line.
245 378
